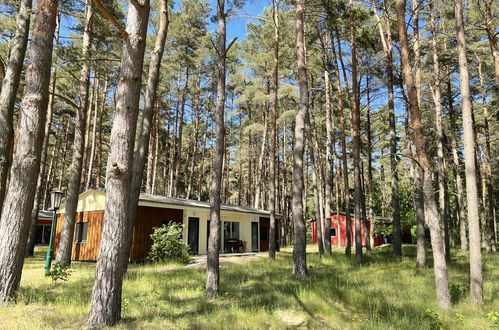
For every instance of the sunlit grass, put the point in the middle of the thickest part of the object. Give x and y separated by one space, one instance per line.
382 293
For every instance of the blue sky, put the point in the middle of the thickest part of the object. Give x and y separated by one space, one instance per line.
236 25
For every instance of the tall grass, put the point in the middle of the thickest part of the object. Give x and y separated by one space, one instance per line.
382 293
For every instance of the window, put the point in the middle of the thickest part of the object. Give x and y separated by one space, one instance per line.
333 232
81 232
231 232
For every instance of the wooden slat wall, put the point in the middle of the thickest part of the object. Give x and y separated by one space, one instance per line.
147 219
89 250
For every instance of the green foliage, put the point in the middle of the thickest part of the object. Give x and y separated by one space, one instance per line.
168 245
494 317
60 272
433 319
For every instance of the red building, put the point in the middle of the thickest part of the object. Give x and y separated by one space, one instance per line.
339 232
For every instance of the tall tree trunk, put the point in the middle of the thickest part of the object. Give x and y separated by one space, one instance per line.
148 113
94 142
66 238
488 190
178 150
329 146
99 133
346 188
476 278
356 138
64 154
261 161
300 241
272 178
195 143
456 164
9 86
440 265
18 203
114 251
437 95
212 268
30 245
394 178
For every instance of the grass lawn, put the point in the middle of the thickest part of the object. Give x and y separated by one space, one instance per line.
383 293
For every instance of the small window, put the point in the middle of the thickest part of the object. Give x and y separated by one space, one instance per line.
333 232
81 232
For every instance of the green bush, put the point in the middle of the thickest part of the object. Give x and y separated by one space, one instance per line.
167 244
59 272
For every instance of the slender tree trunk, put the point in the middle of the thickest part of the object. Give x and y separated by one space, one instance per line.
456 163
193 156
318 218
10 84
178 150
212 268
30 246
394 178
18 203
272 178
488 191
99 134
356 139
114 251
476 277
346 188
261 161
300 242
440 265
437 95
329 146
148 113
66 238
91 159
153 136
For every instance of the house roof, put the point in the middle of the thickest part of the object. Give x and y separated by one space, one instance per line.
198 204
42 214
164 201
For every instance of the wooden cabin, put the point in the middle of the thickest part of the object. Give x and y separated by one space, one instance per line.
245 225
338 230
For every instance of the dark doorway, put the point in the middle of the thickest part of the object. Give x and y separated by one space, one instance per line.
193 235
264 234
254 237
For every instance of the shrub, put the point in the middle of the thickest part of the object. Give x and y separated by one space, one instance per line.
59 272
167 244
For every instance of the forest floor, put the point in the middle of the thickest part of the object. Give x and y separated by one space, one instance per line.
382 293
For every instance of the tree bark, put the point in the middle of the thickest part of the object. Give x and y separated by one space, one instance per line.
440 265
105 307
178 150
18 204
10 84
213 267
356 138
142 147
437 95
346 188
488 191
300 242
30 245
476 277
66 238
272 178
261 161
329 146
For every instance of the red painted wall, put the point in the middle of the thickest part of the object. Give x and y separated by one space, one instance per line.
341 234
